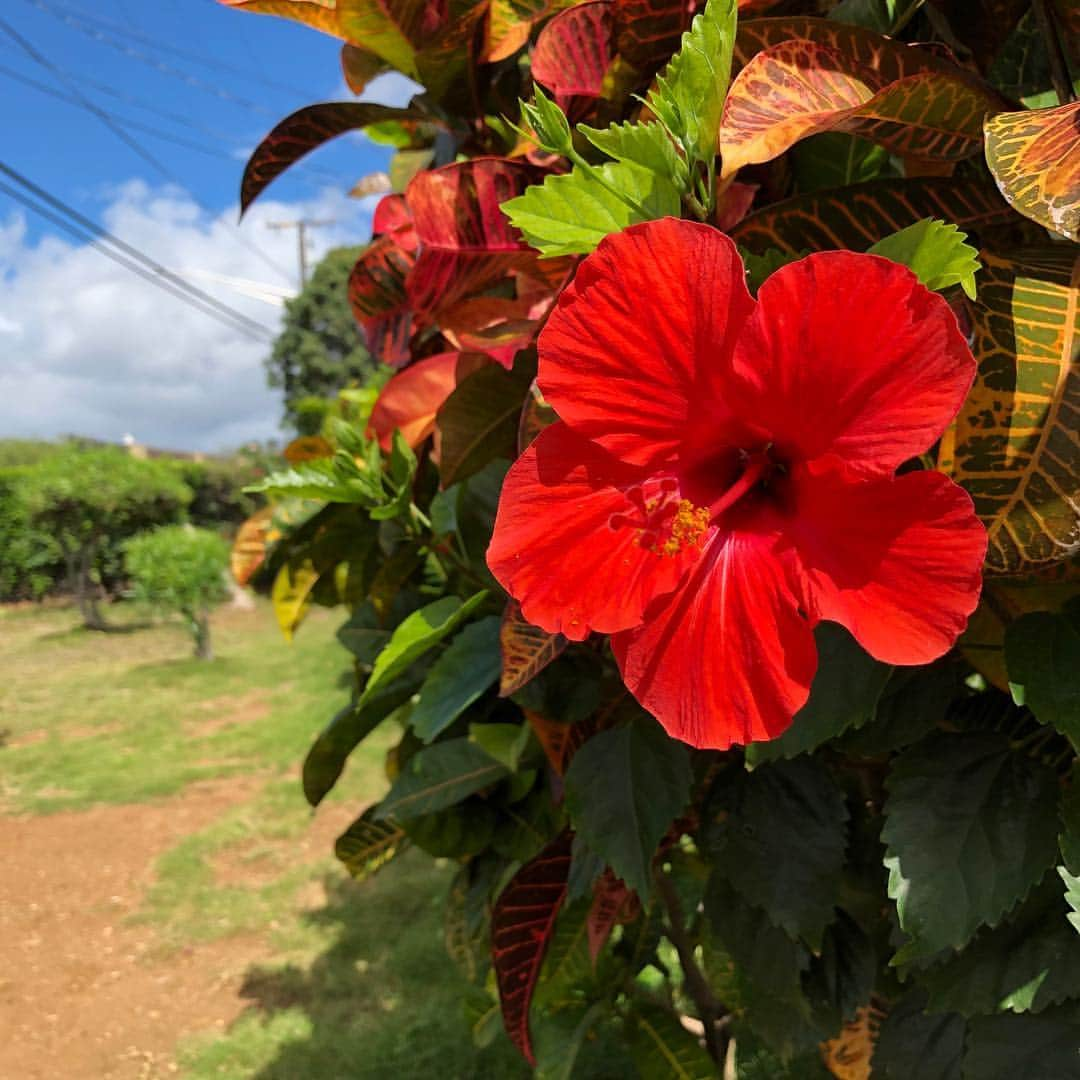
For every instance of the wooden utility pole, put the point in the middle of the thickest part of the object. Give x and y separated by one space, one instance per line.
301 225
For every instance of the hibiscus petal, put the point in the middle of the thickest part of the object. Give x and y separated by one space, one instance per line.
555 549
652 314
728 658
897 561
848 354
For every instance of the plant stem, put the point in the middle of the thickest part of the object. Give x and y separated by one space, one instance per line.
697 986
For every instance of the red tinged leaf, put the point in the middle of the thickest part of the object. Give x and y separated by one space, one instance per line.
902 98
553 736
305 130
858 216
492 325
649 31
510 22
521 926
526 650
378 301
392 215
409 401
613 902
320 14
573 53
467 244
359 67
1035 158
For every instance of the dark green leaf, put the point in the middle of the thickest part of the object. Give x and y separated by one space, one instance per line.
844 693
1042 655
834 159
416 634
559 1034
470 664
1043 1047
935 252
912 1043
503 742
970 829
367 845
665 1050
778 834
623 790
454 832
842 977
363 634
440 776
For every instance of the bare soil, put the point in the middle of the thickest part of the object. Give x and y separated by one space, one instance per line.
82 993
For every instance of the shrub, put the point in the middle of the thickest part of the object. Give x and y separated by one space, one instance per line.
181 568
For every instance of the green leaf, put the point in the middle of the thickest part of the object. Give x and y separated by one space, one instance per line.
470 664
1042 655
572 213
842 977
439 776
416 634
1069 843
935 252
363 635
759 267
912 1043
779 834
549 123
876 15
367 845
647 145
558 1037
1043 1047
567 966
503 742
1072 896
623 790
333 479
455 832
844 694
689 95
970 828
835 159
665 1050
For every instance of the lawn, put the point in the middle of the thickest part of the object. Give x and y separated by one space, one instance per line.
352 979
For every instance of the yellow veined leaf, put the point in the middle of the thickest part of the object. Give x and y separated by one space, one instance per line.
307 448
1035 158
526 650
904 99
1016 443
249 547
368 845
291 594
321 14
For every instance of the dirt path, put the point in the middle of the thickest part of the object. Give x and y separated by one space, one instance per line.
82 994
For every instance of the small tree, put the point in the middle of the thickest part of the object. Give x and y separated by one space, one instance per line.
181 568
86 499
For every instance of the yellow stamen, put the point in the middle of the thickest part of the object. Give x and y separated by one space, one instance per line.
687 527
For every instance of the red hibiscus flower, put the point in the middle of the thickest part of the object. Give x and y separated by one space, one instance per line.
723 475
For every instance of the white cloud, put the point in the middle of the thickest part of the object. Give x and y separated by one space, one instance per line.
88 348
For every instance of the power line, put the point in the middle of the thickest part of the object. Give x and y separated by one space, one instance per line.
151 265
107 118
78 19
87 238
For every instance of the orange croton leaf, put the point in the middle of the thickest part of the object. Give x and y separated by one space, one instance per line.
410 400
1035 158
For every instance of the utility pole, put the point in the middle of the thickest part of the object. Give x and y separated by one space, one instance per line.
301 225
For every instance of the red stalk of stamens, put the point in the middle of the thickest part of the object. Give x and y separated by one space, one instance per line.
753 472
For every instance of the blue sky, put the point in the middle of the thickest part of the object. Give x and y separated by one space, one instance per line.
84 346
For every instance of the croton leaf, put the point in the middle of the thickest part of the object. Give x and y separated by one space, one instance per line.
1035 158
526 650
573 52
438 777
623 790
612 903
1014 444
291 594
510 22
320 14
359 67
409 401
857 216
648 31
665 1050
249 547
478 422
466 243
970 827
521 926
303 131
368 845
907 100
378 301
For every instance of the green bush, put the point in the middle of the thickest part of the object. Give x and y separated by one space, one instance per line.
31 561
180 568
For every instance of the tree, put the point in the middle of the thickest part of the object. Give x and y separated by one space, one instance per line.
182 569
83 498
320 349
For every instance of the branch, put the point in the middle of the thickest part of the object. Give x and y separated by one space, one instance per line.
697 986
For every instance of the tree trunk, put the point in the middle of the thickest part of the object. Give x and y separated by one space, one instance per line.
201 625
85 591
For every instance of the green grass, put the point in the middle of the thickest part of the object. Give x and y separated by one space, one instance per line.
359 985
